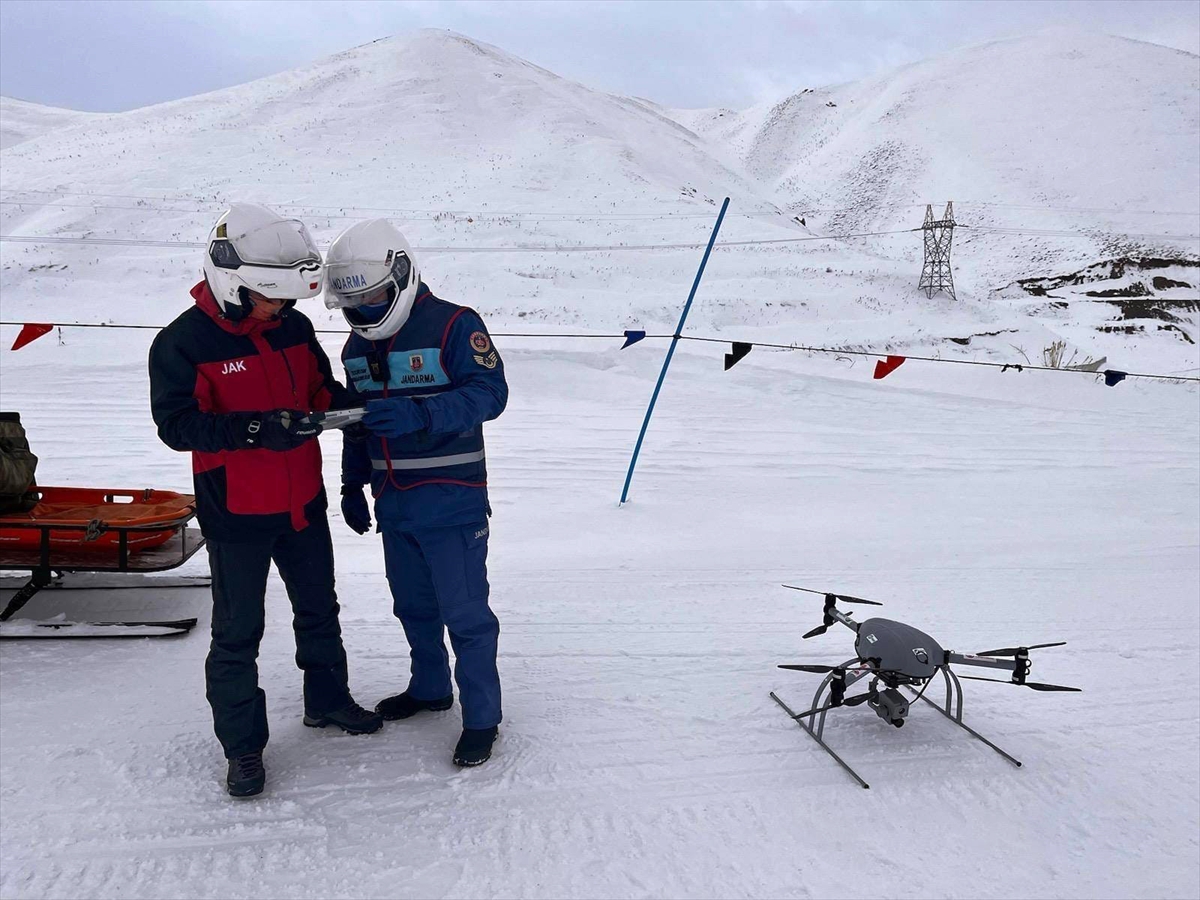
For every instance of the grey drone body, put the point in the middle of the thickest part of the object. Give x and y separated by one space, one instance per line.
896 647
893 657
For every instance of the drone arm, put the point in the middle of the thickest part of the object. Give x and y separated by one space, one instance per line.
987 662
844 618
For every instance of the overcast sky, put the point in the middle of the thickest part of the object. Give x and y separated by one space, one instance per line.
112 55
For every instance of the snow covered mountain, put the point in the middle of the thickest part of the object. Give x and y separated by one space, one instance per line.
22 121
1081 140
1062 130
430 118
463 144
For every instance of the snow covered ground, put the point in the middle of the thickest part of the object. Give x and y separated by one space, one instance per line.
22 121
641 755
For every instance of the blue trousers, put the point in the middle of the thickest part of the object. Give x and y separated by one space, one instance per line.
439 583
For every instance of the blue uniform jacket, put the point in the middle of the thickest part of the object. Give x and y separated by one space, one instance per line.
444 359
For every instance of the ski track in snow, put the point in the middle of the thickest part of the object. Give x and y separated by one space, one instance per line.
641 755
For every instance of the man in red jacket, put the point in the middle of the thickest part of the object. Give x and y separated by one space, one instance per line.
231 380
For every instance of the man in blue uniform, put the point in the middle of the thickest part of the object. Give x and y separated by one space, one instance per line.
430 377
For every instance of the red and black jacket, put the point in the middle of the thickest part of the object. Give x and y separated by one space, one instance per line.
204 367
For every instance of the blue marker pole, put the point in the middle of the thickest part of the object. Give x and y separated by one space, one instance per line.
671 350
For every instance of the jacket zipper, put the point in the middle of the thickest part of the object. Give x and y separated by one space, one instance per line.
291 378
265 349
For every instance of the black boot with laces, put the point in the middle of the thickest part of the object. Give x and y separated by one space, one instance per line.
352 719
403 706
246 776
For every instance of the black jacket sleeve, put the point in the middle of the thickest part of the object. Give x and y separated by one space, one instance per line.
176 411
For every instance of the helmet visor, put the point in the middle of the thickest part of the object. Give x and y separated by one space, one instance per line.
355 283
285 244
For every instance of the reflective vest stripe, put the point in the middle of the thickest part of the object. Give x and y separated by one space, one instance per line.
429 462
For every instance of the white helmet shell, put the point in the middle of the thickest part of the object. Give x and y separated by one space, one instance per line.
363 261
254 248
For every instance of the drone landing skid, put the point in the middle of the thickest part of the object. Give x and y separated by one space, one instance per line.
807 727
954 690
952 711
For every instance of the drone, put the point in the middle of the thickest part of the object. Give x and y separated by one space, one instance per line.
897 658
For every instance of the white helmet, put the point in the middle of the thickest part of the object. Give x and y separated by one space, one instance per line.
254 248
371 264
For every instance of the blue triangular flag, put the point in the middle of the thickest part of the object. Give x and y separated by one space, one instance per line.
632 337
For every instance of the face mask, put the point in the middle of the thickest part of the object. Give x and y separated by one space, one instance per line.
373 314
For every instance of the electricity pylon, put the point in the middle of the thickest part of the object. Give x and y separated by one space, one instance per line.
935 272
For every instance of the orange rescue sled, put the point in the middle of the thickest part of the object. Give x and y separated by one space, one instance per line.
91 520
98 530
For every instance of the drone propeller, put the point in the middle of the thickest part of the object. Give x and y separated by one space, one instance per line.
1034 685
1051 687
821 669
845 598
831 612
1017 651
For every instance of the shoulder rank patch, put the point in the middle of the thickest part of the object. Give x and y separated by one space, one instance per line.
488 362
480 342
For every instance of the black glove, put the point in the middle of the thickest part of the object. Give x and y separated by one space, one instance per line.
280 429
355 510
356 432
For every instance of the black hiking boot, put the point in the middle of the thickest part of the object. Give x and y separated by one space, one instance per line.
246 776
404 705
475 746
352 719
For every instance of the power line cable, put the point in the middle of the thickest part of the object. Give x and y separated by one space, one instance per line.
797 209
218 205
1089 209
595 248
543 248
1067 232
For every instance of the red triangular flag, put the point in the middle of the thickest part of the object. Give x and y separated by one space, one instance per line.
886 368
30 332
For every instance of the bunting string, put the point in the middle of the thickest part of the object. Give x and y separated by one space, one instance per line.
887 359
